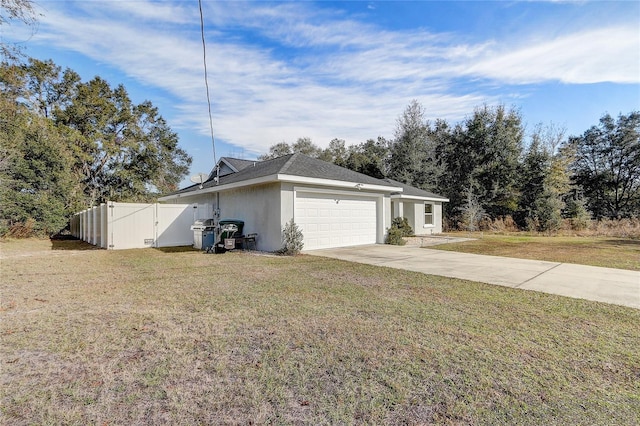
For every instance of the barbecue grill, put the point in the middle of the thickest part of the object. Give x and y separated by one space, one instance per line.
204 233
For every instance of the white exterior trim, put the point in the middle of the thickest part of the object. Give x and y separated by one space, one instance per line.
418 198
218 188
229 165
336 183
338 192
284 178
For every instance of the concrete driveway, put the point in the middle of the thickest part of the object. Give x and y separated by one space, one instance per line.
607 285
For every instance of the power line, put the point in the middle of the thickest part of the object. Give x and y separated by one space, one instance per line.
206 81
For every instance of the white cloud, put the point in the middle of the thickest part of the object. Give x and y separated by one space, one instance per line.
279 72
592 56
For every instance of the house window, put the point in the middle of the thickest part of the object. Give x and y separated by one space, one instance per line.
428 214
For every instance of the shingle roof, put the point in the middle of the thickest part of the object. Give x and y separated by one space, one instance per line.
299 165
413 191
257 169
302 165
237 163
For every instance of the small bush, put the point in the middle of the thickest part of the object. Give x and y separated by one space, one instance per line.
578 214
24 229
402 223
399 228
504 224
394 237
623 228
292 239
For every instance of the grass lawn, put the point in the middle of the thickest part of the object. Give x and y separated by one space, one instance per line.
609 252
179 337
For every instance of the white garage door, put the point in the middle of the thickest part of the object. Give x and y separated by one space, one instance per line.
328 220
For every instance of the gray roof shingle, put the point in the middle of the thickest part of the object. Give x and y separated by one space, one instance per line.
239 164
299 165
413 191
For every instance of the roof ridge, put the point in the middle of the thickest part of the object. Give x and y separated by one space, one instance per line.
288 163
239 159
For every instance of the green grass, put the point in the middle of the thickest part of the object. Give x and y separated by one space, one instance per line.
610 252
180 337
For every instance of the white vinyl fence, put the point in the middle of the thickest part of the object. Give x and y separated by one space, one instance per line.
116 226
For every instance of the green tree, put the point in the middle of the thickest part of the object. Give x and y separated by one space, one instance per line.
369 158
37 184
65 144
123 151
544 182
11 11
483 152
335 153
302 145
607 166
307 147
412 158
276 150
292 239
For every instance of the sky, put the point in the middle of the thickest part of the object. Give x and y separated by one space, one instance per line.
279 71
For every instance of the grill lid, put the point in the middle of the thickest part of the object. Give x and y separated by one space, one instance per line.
203 224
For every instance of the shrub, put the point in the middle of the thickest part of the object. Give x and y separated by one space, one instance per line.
24 229
503 224
394 237
578 214
399 228
402 223
473 215
292 239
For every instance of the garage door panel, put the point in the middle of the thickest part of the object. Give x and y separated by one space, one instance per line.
329 220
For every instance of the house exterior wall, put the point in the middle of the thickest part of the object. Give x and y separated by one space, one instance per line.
266 209
258 206
382 233
420 228
413 210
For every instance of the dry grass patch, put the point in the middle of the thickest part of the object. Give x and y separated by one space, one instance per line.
153 337
610 252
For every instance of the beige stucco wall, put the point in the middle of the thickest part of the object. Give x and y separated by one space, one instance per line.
422 229
413 210
258 206
266 209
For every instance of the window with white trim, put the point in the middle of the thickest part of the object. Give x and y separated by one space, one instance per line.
428 214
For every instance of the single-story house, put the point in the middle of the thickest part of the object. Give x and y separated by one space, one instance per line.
333 206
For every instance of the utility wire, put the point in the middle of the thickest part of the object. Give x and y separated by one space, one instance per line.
206 81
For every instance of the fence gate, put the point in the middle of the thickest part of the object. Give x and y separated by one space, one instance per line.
117 226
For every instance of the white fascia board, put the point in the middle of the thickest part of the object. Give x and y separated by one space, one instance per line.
218 188
336 183
415 197
285 178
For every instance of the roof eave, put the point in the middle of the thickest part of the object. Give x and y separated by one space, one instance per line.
337 183
223 187
419 198
284 178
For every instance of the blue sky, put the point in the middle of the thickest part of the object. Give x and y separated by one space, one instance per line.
283 70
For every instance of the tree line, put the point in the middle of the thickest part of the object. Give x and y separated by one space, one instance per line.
66 145
491 169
